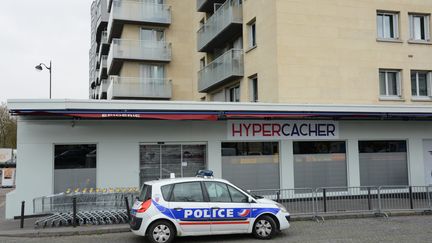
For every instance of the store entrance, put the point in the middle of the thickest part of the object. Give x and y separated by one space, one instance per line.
158 161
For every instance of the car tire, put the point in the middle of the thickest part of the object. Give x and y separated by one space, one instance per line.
161 231
264 228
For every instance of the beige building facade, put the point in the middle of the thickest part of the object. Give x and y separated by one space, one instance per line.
269 51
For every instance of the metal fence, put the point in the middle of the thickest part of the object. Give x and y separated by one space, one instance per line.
79 208
324 201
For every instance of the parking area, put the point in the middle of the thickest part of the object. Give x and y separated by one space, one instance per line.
395 229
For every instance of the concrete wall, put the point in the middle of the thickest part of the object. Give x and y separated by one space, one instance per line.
118 150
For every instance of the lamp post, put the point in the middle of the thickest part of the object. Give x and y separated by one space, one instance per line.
40 68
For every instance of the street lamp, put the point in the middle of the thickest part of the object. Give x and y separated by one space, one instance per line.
40 68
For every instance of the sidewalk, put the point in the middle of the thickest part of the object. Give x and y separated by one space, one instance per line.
11 228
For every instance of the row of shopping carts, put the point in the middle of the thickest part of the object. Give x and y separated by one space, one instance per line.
84 208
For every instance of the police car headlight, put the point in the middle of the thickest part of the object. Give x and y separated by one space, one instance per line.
282 208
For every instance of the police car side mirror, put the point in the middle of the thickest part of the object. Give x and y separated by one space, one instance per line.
250 200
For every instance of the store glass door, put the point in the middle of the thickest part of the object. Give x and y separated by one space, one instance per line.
158 161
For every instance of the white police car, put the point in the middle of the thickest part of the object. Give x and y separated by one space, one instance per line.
203 206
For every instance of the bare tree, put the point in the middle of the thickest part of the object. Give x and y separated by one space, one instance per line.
8 128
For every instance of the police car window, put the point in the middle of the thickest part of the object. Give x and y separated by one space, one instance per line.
166 191
145 193
237 196
218 192
187 192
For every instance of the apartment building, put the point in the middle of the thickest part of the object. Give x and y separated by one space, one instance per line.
141 48
309 51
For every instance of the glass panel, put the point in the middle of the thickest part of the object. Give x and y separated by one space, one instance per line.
150 162
414 83
218 192
392 83
383 163
243 164
380 24
320 164
194 159
418 27
422 80
382 84
237 196
388 26
145 193
187 192
171 160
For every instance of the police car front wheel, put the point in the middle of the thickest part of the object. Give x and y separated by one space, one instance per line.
264 227
161 232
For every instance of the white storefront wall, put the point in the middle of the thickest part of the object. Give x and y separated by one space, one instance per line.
118 150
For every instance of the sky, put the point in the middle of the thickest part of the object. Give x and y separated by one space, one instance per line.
37 31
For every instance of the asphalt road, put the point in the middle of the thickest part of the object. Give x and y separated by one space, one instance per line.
397 229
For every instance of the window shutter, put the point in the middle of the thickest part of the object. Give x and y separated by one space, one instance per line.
429 83
399 84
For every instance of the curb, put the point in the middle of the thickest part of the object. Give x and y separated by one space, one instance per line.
66 231
360 215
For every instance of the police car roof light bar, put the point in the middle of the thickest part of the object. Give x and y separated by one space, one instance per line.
205 174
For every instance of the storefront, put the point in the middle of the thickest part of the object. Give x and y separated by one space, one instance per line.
86 144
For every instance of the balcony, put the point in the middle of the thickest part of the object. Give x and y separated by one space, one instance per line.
103 89
207 5
139 88
104 45
136 50
103 68
227 67
221 27
142 13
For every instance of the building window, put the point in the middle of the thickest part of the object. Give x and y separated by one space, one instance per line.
421 83
419 27
233 94
244 163
320 164
383 163
74 167
254 89
390 83
252 34
388 25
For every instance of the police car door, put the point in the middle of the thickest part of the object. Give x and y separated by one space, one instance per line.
230 209
189 208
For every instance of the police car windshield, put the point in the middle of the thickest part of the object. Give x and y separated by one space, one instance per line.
250 194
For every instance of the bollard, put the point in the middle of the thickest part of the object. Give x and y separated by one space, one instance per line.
74 212
278 196
325 200
127 208
22 214
369 199
411 198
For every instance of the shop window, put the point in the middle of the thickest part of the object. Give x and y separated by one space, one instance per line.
320 164
383 163
158 161
244 163
74 167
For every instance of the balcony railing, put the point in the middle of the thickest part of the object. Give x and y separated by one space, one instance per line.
104 39
137 50
139 88
222 25
136 12
225 68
